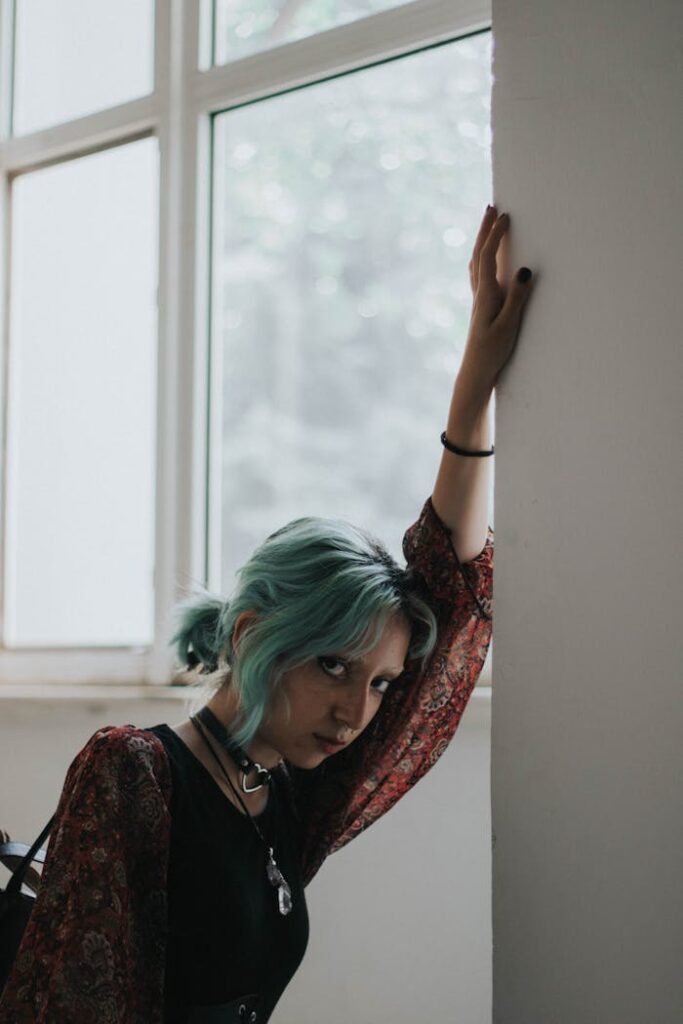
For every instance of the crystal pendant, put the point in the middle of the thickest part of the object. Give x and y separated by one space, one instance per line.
284 899
275 877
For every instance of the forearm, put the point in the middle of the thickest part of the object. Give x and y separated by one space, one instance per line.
461 491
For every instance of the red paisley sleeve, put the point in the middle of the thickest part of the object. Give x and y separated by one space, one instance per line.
418 717
94 947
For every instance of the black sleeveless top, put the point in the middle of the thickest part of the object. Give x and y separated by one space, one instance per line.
226 936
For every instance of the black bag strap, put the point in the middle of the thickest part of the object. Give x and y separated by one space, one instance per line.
33 853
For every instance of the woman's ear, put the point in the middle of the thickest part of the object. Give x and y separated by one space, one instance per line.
242 620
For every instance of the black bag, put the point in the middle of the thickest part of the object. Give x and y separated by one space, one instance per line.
15 905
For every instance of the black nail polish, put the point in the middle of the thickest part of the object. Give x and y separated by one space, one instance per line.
524 275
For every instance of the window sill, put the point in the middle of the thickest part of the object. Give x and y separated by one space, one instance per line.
112 691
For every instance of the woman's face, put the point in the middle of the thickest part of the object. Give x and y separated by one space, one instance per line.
328 696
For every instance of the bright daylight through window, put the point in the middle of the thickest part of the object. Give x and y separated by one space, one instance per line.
236 246
343 221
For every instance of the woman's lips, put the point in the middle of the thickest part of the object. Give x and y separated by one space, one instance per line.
329 746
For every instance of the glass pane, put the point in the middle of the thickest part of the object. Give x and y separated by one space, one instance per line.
82 397
244 27
75 57
344 222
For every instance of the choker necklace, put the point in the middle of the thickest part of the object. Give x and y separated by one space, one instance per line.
243 761
239 756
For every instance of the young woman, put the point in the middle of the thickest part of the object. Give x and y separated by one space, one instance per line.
173 888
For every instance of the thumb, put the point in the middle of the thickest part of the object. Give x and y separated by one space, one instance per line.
517 296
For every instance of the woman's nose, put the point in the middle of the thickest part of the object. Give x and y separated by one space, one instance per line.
355 711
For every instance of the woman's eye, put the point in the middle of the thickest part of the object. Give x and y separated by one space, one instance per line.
337 669
332 666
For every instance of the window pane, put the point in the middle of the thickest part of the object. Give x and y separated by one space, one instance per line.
244 27
81 444
75 57
344 223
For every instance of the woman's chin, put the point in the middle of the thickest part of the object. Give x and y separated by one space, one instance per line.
306 758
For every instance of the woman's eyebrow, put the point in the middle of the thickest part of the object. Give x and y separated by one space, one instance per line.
395 672
391 673
354 662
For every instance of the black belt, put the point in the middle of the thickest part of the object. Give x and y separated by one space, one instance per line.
239 1011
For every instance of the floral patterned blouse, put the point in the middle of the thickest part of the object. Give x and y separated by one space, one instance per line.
94 947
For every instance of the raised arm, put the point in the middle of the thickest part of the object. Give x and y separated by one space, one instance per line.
418 718
461 492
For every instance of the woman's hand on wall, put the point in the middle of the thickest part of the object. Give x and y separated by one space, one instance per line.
497 310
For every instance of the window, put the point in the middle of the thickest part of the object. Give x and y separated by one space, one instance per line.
75 57
236 270
81 416
242 27
343 214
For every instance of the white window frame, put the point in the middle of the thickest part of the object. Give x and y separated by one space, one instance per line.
187 92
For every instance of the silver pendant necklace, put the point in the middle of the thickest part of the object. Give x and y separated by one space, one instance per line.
242 760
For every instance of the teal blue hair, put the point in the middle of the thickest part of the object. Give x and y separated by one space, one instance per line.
317 586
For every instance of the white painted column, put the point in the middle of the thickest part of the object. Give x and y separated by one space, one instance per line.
587 718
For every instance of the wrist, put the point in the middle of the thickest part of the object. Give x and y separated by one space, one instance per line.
476 371
471 393
467 424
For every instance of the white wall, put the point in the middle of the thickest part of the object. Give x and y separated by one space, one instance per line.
587 745
400 918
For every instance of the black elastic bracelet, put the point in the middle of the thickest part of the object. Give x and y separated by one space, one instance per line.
461 451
